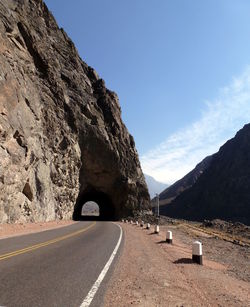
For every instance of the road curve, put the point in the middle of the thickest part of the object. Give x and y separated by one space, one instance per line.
57 267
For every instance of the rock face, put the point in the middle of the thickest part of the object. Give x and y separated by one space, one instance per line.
62 140
170 193
223 190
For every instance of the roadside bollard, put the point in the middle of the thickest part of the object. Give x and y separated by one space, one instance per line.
157 229
136 223
197 252
126 221
131 222
142 223
148 226
169 238
122 220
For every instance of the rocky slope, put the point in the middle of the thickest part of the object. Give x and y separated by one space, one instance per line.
62 140
170 193
223 190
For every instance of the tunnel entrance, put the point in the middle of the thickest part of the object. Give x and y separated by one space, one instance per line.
94 205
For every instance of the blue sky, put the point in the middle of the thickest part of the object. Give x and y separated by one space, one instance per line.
179 67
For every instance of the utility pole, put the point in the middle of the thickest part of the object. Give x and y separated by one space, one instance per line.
158 211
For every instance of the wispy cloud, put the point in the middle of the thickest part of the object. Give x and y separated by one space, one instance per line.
219 121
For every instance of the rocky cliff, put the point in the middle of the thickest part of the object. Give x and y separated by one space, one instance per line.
223 190
62 140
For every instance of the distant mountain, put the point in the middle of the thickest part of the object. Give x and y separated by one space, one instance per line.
154 186
170 193
223 190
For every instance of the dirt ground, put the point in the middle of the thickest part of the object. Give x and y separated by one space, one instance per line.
151 272
10 230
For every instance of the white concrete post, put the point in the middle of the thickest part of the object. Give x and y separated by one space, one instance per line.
157 229
197 252
126 221
142 223
122 220
169 238
148 226
136 223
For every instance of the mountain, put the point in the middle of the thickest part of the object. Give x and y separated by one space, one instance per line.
223 190
62 139
154 186
170 193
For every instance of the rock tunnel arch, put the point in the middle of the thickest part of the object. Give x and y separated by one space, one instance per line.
107 210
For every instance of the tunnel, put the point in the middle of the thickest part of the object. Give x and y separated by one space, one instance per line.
106 207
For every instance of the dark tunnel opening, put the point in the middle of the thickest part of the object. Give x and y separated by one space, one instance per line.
102 201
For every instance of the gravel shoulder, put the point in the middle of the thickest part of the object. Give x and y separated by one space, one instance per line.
11 230
151 272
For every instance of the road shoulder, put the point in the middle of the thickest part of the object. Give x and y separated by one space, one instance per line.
153 273
13 230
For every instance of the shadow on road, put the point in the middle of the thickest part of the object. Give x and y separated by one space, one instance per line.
161 242
183 261
93 218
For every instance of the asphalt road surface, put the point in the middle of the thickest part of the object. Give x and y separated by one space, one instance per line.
58 267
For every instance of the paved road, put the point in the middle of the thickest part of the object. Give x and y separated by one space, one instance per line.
56 267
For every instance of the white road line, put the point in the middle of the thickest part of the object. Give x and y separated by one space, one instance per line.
88 299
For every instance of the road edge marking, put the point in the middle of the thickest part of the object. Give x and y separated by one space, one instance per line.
42 244
88 299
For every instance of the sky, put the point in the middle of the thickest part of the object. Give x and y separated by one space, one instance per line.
181 69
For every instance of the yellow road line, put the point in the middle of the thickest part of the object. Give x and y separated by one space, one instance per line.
46 243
